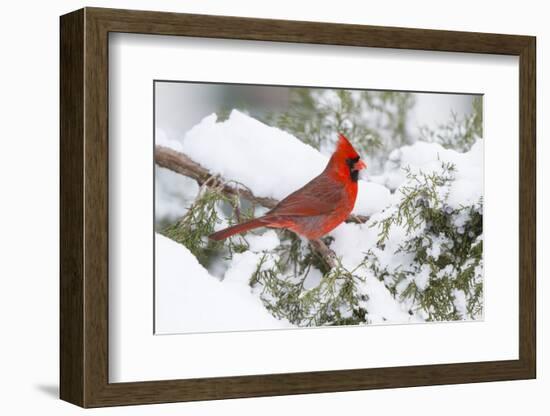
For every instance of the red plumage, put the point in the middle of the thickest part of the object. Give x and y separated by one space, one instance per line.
319 206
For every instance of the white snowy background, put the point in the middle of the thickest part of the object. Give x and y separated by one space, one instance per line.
273 163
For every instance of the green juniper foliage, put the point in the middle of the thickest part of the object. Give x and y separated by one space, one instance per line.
439 247
194 227
442 280
211 207
335 300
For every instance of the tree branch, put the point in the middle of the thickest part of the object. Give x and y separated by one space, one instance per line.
181 163
184 165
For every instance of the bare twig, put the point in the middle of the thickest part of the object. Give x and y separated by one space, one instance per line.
326 253
357 219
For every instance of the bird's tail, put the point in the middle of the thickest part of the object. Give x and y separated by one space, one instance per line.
236 229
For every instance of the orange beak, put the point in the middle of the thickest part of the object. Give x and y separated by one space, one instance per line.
360 165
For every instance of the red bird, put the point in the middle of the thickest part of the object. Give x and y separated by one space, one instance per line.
319 206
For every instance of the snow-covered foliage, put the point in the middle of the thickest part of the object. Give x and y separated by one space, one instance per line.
418 257
435 235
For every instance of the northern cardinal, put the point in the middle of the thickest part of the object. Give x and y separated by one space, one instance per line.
319 206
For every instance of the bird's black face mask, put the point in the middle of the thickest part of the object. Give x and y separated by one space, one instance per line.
354 173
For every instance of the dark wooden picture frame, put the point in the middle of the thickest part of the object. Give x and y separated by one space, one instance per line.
84 207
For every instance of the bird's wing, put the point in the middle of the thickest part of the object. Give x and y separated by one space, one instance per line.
321 195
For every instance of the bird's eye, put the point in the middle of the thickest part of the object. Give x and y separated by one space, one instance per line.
351 161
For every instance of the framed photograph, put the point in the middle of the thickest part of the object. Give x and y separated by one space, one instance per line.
260 207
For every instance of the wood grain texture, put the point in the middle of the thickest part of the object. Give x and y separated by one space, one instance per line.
226 27
84 207
71 208
527 208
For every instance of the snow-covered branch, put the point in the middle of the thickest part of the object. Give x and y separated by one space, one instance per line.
184 165
181 163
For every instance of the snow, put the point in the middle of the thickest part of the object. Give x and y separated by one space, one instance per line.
269 161
265 242
371 198
435 249
241 267
352 241
460 302
466 189
313 279
188 299
422 277
382 306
